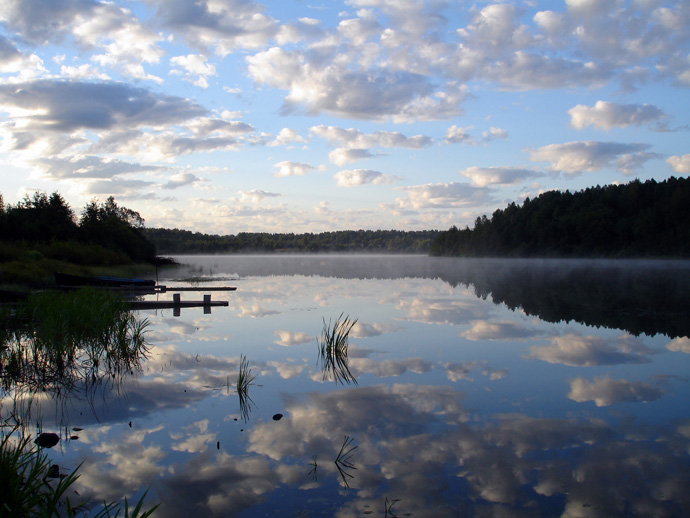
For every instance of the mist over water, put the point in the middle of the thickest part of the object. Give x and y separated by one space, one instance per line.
484 387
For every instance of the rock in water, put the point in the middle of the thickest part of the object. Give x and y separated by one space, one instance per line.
47 440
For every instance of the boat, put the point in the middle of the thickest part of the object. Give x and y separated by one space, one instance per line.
66 279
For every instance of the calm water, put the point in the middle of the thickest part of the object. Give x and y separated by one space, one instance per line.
483 388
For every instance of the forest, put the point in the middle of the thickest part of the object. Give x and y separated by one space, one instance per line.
175 241
638 219
42 232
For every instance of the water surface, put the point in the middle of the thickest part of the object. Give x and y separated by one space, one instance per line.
481 388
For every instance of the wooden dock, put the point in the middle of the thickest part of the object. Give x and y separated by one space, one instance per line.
177 304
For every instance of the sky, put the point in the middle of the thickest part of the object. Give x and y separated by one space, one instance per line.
227 116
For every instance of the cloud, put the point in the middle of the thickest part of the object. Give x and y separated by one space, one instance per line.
440 311
13 61
486 330
290 338
483 176
577 157
679 345
40 22
287 136
355 145
352 138
214 126
493 134
220 26
605 115
346 92
195 68
292 169
125 42
256 195
180 180
66 106
589 351
454 135
442 195
605 391
82 167
354 177
680 164
365 330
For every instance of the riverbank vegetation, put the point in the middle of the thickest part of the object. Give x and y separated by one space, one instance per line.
175 241
33 486
53 347
42 234
638 219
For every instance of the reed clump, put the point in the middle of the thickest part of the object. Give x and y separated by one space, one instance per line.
245 379
333 349
31 487
54 339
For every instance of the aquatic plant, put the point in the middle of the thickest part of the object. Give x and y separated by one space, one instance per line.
333 350
342 461
245 378
60 343
314 467
388 507
32 486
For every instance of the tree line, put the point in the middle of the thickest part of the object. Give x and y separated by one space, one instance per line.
638 219
104 233
176 241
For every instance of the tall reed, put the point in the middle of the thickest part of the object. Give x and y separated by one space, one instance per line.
27 490
60 342
245 378
333 349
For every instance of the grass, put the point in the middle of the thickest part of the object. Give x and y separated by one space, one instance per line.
333 350
342 461
36 263
57 342
245 379
29 489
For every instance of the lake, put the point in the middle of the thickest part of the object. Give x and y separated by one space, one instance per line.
471 387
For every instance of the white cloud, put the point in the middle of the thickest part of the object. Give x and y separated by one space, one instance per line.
342 90
195 67
487 330
606 391
221 26
355 145
605 115
286 137
290 338
287 168
13 61
454 134
442 195
679 345
577 157
680 164
354 177
483 176
182 179
587 351
493 134
256 195
85 71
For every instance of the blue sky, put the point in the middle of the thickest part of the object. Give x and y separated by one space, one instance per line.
226 116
